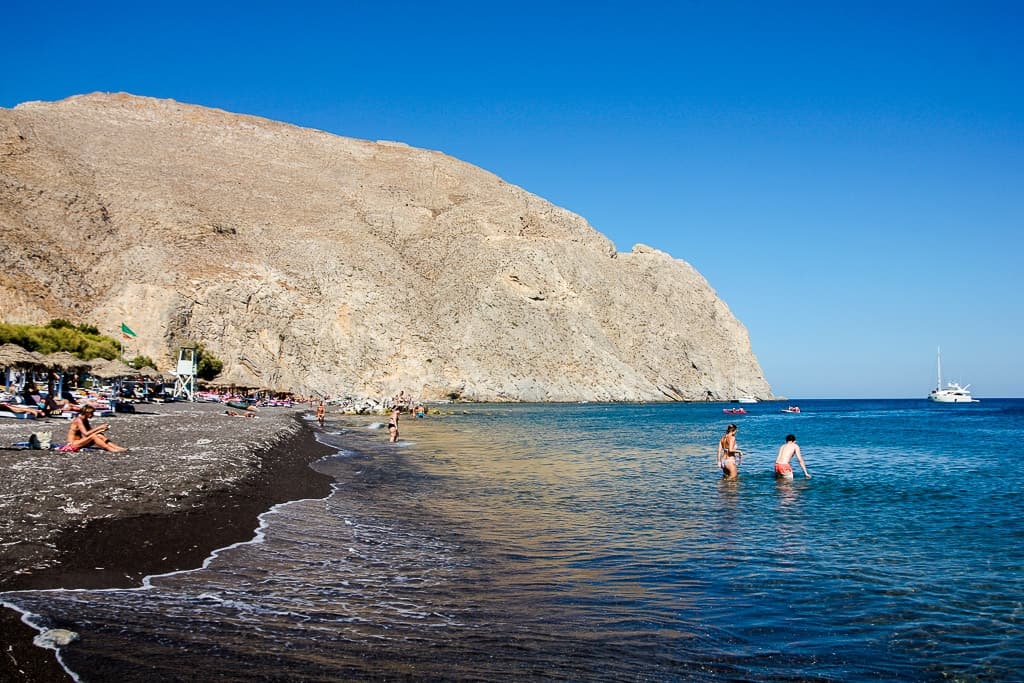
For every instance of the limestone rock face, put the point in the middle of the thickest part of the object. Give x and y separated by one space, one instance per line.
318 263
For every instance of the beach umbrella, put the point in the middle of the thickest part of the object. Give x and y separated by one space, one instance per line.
112 369
14 356
150 373
60 361
64 360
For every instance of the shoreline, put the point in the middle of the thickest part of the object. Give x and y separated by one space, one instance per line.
182 505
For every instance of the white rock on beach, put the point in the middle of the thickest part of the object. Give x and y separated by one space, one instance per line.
54 638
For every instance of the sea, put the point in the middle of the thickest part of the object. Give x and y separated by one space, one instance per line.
599 542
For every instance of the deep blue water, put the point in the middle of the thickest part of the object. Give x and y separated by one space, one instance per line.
598 542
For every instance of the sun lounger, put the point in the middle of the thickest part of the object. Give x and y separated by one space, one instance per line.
17 416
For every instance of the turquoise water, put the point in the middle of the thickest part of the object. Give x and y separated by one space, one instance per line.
598 542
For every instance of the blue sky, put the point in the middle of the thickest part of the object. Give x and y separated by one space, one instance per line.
849 177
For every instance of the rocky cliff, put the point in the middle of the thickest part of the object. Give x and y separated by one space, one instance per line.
320 263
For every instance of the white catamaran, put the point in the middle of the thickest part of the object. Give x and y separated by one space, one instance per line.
953 393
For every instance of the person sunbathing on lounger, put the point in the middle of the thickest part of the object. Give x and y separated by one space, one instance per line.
18 409
82 435
54 406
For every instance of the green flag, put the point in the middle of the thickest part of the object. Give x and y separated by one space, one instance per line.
127 331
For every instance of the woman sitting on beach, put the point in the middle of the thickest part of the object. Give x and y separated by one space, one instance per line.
82 435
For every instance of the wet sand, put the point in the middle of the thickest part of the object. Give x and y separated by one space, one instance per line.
193 480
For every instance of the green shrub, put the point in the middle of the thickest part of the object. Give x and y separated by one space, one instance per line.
87 343
84 341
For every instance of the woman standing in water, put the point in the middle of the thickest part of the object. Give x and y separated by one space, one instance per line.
393 425
729 455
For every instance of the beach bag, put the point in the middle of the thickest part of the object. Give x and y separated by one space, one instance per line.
39 441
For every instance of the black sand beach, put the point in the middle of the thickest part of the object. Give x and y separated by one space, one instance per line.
194 480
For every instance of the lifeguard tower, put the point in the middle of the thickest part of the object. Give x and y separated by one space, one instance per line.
185 383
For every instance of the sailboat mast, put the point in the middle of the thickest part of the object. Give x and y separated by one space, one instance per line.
938 363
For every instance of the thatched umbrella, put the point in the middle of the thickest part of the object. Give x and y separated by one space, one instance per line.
63 360
150 373
14 356
112 369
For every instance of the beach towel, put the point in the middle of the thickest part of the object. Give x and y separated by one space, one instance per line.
63 447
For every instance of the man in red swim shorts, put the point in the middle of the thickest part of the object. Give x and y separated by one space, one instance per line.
783 469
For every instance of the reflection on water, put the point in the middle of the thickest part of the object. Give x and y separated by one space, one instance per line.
600 543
